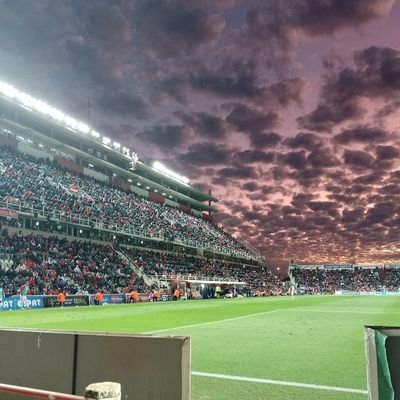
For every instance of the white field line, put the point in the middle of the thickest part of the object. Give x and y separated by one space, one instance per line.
211 322
268 312
281 383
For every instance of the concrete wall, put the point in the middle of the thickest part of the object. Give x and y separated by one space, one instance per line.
96 175
139 191
33 151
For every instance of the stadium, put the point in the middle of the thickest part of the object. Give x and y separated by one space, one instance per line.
83 217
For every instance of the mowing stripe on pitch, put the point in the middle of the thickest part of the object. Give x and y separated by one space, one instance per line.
281 383
211 322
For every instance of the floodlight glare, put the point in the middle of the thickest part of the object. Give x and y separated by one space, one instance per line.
83 127
170 174
71 122
26 100
8 90
95 134
29 103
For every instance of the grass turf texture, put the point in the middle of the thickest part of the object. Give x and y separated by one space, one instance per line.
314 340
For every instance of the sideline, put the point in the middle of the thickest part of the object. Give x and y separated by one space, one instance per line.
281 383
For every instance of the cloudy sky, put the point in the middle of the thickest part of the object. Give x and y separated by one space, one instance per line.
287 109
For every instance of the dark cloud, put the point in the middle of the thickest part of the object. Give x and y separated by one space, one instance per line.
358 159
278 26
387 152
295 159
108 28
352 216
376 74
239 79
323 158
326 116
285 92
253 156
101 45
388 110
204 124
262 140
124 104
246 119
308 141
176 87
164 136
234 79
368 179
204 154
227 174
361 135
169 28
381 65
250 186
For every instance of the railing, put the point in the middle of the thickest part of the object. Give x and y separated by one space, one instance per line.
189 277
249 246
67 217
37 393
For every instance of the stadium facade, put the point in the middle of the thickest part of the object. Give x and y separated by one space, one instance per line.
33 127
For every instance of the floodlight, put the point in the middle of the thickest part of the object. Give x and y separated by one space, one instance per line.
70 122
95 134
8 90
106 140
26 100
167 172
83 127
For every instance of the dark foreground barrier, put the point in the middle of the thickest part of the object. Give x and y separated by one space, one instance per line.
382 345
148 367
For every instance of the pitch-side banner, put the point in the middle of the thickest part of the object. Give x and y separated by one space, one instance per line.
382 347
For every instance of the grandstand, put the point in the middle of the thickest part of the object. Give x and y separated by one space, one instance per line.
81 210
345 279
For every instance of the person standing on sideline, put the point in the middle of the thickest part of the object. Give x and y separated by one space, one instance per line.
24 295
177 294
1 296
98 298
61 299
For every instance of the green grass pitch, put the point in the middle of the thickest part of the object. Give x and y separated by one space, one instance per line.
308 340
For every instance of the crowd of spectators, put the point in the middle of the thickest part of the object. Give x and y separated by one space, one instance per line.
358 280
52 264
171 266
41 185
